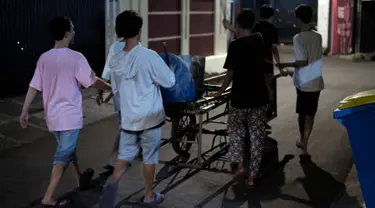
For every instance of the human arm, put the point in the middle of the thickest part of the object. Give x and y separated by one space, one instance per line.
35 86
106 75
230 65
227 80
161 74
301 56
86 76
101 84
24 117
228 26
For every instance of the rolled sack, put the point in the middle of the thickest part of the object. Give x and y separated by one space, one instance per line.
184 90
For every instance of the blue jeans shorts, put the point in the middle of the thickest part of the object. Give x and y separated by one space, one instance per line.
130 143
66 147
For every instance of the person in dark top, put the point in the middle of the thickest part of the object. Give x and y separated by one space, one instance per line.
249 95
271 41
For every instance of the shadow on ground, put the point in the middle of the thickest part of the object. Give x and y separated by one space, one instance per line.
80 199
321 187
272 177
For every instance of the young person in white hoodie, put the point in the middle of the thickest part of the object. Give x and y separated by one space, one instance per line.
136 74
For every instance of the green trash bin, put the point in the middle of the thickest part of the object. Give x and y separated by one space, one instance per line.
357 114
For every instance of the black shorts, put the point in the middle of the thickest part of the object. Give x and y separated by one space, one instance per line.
307 102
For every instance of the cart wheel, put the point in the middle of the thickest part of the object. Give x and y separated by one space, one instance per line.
181 124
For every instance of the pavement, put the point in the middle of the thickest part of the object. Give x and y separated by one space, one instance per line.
286 182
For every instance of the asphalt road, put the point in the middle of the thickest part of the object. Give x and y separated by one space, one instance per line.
287 183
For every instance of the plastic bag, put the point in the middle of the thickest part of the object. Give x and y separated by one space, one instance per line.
184 89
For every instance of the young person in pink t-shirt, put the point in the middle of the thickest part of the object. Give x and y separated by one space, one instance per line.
59 75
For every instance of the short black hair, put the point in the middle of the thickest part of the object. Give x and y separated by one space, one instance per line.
246 19
128 24
266 11
59 26
304 12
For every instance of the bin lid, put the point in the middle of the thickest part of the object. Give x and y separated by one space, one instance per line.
359 99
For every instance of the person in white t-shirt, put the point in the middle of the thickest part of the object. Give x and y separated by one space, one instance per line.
308 76
114 49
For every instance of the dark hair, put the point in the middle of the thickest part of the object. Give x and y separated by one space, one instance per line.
59 26
266 11
246 19
304 13
128 24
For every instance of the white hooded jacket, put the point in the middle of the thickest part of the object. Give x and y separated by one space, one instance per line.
136 76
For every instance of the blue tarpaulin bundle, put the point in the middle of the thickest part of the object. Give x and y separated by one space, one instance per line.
184 89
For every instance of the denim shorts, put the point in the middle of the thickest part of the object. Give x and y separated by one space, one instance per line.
66 147
130 143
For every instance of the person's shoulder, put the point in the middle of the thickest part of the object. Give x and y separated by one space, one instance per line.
77 54
255 38
235 43
149 53
45 55
297 39
316 34
257 26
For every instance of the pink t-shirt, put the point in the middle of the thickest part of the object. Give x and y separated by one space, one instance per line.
59 75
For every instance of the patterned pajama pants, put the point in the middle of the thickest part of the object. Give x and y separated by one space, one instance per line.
251 123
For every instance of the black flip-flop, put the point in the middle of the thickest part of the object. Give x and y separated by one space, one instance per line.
250 186
85 179
304 158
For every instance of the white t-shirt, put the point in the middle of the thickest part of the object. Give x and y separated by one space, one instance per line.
136 77
114 49
308 47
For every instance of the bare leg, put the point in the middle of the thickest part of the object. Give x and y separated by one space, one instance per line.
76 172
114 150
308 126
301 125
109 193
148 176
57 172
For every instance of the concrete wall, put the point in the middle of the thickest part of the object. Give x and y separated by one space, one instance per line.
214 62
323 20
114 7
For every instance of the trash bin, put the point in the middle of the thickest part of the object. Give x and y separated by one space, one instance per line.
357 114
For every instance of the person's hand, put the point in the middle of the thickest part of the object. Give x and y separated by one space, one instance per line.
290 72
24 119
215 95
280 66
99 98
226 24
284 73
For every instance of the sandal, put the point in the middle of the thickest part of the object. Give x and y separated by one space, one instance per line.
239 173
158 198
248 185
85 179
58 204
304 158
